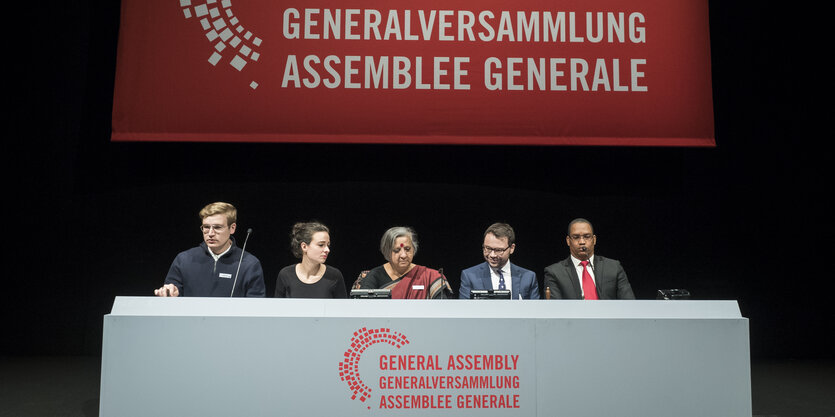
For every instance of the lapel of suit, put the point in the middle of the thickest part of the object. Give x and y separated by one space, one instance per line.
516 281
486 280
599 274
575 280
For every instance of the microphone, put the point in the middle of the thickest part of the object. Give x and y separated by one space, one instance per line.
243 250
447 288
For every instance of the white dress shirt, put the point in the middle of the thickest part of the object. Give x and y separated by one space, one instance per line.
579 269
494 276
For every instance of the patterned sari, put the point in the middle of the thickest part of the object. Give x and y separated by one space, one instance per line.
419 283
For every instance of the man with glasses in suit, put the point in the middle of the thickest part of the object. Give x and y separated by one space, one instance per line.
584 275
497 273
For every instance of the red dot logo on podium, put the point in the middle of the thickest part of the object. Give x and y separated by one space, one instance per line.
360 341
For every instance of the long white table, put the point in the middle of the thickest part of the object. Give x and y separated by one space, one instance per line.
293 357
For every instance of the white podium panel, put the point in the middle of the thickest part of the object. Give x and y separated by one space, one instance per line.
277 357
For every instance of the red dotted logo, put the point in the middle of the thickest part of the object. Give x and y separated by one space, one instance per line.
362 340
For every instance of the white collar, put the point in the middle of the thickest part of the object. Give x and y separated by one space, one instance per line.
221 254
577 261
505 269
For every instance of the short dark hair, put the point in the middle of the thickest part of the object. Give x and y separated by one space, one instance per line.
303 232
501 230
575 221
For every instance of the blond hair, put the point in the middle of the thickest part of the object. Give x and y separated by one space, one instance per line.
220 208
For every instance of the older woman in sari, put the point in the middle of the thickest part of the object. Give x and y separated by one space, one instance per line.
405 279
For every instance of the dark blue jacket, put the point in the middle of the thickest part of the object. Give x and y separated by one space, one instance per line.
523 281
196 274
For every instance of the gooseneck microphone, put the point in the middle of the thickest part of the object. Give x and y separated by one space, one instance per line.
243 250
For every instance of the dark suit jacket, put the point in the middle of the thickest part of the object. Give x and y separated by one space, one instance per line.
610 279
522 281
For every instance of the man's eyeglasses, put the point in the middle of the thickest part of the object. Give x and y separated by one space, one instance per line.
488 250
206 228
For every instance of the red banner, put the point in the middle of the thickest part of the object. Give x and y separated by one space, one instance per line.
591 72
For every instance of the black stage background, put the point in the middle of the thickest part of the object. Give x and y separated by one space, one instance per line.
91 219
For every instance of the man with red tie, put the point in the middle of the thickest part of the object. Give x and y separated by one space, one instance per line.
584 275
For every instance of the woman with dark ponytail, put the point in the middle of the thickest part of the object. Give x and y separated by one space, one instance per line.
310 278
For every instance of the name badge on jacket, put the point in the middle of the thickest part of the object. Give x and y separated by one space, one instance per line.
417 287
222 275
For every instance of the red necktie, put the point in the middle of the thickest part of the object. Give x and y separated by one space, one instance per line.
589 292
